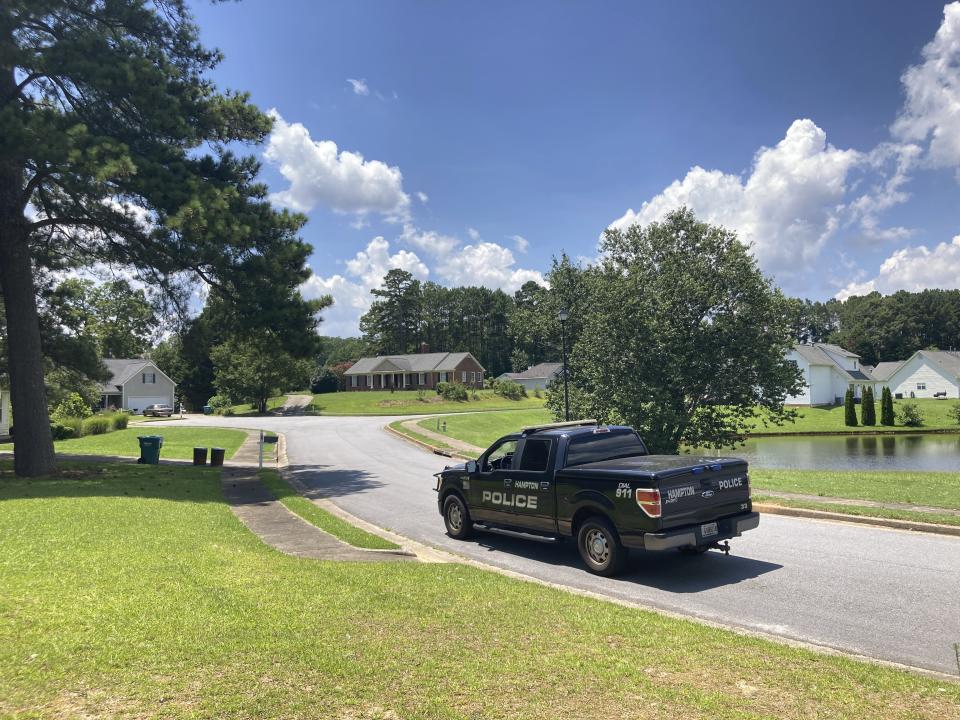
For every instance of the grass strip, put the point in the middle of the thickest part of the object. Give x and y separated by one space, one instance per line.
296 503
436 444
937 489
178 442
134 591
410 402
861 510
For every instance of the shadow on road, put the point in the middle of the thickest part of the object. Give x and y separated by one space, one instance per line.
669 571
326 482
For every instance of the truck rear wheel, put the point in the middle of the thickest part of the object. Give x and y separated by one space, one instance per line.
600 547
457 518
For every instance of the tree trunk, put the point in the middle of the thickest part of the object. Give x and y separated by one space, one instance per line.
33 445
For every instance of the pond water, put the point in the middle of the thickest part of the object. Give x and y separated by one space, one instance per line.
852 452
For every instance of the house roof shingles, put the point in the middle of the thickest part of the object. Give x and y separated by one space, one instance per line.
535 372
121 370
815 354
417 362
947 360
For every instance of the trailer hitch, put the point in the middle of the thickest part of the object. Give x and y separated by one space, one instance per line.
723 547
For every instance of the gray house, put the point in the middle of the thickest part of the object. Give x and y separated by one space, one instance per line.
535 377
134 384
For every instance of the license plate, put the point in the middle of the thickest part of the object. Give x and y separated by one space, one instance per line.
708 530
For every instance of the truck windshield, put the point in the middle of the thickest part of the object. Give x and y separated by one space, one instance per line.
603 446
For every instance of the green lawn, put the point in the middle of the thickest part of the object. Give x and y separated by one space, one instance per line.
295 502
135 591
178 442
409 402
938 489
482 430
861 510
831 419
398 426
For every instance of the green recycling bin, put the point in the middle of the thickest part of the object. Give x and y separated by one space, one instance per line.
150 449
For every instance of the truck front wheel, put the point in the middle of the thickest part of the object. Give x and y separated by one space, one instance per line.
457 518
600 547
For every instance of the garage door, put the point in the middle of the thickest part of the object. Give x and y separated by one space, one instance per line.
137 404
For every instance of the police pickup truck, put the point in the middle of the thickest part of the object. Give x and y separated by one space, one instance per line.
598 484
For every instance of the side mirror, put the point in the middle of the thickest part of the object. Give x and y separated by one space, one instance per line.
471 467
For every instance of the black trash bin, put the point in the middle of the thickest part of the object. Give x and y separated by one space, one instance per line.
216 456
199 456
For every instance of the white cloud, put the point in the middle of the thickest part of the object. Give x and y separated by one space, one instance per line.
351 291
360 86
931 110
787 206
913 268
319 174
487 264
473 233
437 244
423 197
520 243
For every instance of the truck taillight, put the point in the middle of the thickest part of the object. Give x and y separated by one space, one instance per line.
649 501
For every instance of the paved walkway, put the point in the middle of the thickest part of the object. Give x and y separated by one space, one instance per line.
294 405
256 508
458 445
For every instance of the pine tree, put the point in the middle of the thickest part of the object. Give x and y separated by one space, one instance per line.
886 407
868 410
849 409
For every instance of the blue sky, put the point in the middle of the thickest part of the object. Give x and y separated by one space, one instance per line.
470 143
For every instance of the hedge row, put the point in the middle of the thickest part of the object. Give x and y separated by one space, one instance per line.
74 427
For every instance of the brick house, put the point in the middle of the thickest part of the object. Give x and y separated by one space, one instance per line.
420 371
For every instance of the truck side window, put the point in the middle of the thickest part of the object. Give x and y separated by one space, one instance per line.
536 452
500 457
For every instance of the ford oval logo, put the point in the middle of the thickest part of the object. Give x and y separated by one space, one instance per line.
707 494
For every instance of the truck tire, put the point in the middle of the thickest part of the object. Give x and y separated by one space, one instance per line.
600 547
457 518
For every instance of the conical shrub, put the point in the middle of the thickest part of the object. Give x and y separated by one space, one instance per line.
868 410
849 409
886 407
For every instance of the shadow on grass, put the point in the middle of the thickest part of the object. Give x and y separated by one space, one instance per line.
670 571
183 483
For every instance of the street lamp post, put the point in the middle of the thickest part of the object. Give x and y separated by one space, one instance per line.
563 315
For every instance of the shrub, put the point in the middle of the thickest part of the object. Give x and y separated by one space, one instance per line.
71 406
421 395
97 425
910 415
868 410
74 423
849 409
954 413
60 431
886 407
120 420
537 393
454 391
219 403
509 389
324 380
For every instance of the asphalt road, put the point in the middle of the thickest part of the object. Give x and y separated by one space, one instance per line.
887 594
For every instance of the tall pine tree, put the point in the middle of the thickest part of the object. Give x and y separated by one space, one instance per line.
868 408
849 409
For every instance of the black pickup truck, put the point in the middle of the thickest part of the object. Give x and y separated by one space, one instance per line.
598 484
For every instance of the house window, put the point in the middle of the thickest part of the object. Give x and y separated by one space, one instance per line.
921 386
463 376
443 377
473 377
370 382
421 378
353 381
149 378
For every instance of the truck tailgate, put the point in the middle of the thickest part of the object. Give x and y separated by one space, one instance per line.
708 488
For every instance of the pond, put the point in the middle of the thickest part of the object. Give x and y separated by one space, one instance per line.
852 452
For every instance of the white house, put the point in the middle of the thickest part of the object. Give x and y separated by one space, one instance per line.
535 377
4 412
134 384
926 374
828 372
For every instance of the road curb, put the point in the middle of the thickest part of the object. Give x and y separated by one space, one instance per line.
895 524
426 446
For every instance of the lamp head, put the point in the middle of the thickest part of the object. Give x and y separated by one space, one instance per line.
563 315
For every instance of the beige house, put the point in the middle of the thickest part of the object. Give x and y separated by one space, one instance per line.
4 412
134 384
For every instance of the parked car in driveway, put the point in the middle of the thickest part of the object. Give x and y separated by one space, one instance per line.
600 486
158 411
